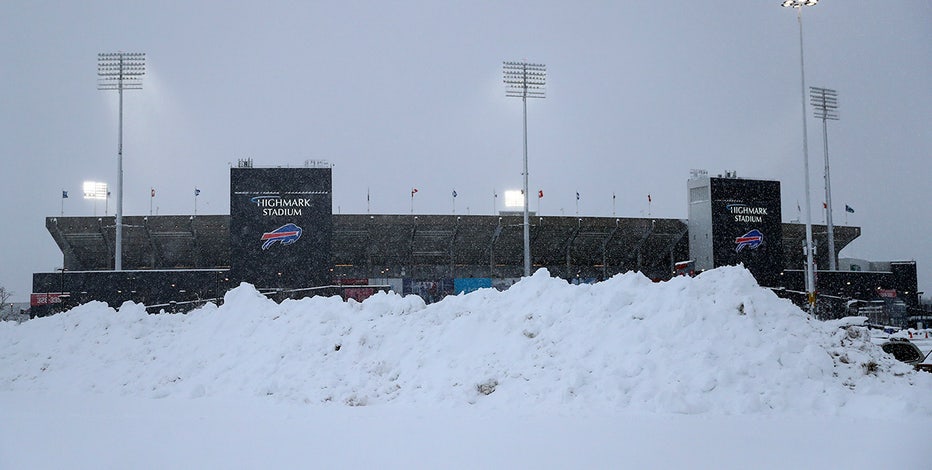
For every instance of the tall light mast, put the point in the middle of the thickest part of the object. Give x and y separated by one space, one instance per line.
120 71
525 80
825 107
810 274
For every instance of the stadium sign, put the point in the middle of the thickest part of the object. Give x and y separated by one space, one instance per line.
280 226
736 221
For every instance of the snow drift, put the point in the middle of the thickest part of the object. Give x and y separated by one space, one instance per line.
717 343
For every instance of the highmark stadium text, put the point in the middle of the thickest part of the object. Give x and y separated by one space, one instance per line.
747 214
276 205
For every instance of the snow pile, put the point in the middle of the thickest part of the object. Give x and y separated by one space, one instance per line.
716 343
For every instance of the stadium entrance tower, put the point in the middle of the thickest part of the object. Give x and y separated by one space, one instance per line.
281 225
735 220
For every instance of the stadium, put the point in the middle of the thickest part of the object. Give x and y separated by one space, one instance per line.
282 236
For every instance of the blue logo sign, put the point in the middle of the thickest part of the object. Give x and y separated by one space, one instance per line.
752 240
287 234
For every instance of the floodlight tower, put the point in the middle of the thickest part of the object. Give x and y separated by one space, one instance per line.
120 71
825 104
810 275
525 80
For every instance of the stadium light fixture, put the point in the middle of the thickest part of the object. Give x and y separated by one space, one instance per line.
810 274
825 107
95 190
525 80
120 71
799 3
514 198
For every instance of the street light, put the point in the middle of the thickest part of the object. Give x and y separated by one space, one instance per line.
120 71
825 104
525 80
810 275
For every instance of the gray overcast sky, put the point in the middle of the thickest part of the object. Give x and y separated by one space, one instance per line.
400 94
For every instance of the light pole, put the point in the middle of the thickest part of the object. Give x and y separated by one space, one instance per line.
825 104
120 71
525 80
810 275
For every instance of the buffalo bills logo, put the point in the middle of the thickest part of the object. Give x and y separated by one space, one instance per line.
287 234
752 240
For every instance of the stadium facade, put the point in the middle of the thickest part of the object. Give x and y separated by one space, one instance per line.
282 237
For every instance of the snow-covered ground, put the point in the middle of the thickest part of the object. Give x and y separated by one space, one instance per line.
705 372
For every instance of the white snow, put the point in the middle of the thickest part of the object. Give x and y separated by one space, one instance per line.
702 372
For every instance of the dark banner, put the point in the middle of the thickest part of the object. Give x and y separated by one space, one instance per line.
280 226
747 227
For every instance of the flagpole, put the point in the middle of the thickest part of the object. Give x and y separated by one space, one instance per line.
613 204
65 193
151 197
413 190
368 202
577 203
494 200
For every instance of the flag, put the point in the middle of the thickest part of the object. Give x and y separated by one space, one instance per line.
152 192
108 193
413 190
454 193
824 205
613 196
798 209
64 195
494 194
849 209
648 198
197 192
540 193
367 194
577 195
